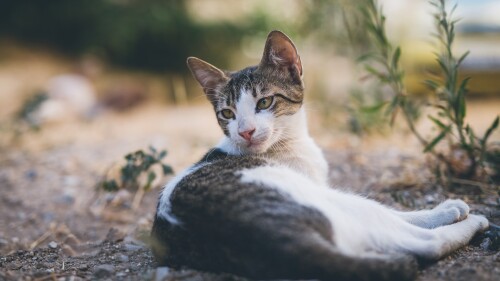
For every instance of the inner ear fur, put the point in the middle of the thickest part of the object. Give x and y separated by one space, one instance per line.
209 77
280 52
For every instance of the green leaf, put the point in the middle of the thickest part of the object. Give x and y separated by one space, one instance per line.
490 130
148 161
437 139
443 66
373 108
432 84
463 57
463 84
167 169
437 122
380 76
365 57
110 185
462 107
472 136
151 178
395 57
152 149
139 154
162 154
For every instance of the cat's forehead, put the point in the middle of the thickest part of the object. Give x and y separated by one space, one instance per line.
242 82
244 77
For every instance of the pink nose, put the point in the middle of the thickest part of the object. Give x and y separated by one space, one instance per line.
247 135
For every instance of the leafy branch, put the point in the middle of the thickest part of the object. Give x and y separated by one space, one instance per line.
383 64
137 164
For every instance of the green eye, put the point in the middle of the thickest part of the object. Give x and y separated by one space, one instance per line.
227 113
264 103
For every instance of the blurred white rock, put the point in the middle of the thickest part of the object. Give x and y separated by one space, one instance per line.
69 96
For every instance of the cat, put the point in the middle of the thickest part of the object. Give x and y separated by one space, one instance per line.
259 204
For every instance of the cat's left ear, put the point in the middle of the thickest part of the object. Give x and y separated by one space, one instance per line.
280 52
209 77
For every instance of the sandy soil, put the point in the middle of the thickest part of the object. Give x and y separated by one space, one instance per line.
55 223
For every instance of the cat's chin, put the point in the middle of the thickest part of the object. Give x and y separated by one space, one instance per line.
257 149
254 148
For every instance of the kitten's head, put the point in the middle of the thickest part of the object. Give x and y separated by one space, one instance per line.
254 105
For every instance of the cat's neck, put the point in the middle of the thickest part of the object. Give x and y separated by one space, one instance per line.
298 151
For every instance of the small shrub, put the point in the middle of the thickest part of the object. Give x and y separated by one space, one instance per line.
467 154
29 107
137 164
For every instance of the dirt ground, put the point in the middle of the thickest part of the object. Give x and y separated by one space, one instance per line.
56 224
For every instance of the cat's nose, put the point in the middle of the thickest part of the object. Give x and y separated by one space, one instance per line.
247 135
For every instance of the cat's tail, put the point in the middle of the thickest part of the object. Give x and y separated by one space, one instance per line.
317 257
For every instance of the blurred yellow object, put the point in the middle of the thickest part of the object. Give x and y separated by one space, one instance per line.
482 64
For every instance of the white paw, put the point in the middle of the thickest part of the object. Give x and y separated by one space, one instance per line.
481 221
458 204
449 215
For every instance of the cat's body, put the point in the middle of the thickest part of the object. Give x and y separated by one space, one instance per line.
259 204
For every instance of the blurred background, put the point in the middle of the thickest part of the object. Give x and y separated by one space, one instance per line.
126 52
82 83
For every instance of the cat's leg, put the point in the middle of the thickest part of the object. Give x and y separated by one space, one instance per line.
448 212
436 243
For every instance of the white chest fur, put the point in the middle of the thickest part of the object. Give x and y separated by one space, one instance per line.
300 152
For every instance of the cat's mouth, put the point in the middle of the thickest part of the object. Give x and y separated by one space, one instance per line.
255 143
256 146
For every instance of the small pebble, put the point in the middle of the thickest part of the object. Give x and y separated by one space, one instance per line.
123 258
131 247
53 245
104 270
30 174
3 243
21 215
47 217
430 199
161 273
14 266
65 199
486 243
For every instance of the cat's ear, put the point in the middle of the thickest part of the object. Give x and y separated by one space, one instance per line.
280 52
209 77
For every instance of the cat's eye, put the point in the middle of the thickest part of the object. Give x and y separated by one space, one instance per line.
227 113
265 103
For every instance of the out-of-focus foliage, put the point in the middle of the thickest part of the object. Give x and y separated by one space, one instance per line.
467 154
337 24
29 107
158 35
155 35
138 163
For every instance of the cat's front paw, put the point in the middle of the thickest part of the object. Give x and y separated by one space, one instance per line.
455 204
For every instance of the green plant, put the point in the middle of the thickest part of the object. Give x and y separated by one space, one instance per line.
364 111
29 107
467 154
137 164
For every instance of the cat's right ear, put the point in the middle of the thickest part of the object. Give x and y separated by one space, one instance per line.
281 54
209 77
